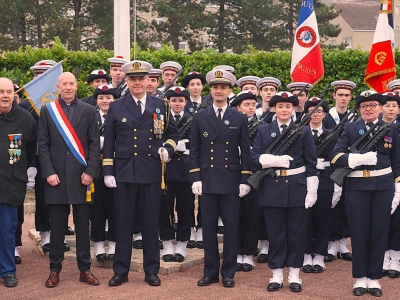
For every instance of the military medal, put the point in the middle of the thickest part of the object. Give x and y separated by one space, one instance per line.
388 142
11 139
158 121
19 137
10 152
18 154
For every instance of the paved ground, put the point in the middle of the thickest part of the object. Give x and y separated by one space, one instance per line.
335 283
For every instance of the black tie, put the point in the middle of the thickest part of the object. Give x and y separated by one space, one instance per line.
139 104
220 114
195 105
283 127
177 117
315 135
104 118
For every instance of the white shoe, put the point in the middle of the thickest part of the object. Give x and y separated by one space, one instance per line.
373 284
248 259
264 246
277 276
319 260
220 223
137 237
332 248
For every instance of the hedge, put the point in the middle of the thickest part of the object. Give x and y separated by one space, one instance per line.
339 64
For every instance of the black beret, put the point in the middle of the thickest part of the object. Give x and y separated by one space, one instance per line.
392 97
314 102
284 97
98 74
177 92
193 75
241 97
105 90
370 97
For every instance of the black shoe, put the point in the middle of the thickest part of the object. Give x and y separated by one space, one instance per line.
199 245
178 257
110 256
191 244
307 269
168 258
228 282
393 274
117 280
247 267
220 230
329 258
295 287
375 292
239 267
384 272
10 280
46 248
152 279
317 269
17 260
346 256
137 244
160 245
262 258
274 286
66 247
101 257
206 281
69 231
359 291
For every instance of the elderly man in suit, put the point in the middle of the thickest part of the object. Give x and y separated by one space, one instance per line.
69 154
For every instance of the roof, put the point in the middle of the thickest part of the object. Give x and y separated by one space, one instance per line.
360 16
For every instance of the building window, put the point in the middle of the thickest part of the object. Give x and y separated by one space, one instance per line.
397 10
347 42
332 42
182 46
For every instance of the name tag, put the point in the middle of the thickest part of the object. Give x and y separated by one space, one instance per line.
232 128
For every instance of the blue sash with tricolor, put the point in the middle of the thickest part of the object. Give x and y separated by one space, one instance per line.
67 131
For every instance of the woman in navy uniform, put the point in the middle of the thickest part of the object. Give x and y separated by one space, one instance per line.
369 192
217 134
285 198
96 79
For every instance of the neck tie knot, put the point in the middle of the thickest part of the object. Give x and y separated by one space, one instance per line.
177 117
315 135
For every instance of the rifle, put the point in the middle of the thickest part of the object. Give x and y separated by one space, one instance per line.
253 126
339 174
17 79
77 70
320 97
283 146
330 137
188 123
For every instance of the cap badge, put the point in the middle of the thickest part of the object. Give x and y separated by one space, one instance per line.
314 99
100 72
119 56
219 73
390 94
137 65
177 90
105 88
284 95
367 94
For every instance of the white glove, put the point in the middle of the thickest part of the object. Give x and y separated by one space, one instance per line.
320 164
274 161
312 187
396 198
31 172
181 147
110 182
367 159
197 188
101 142
165 156
244 189
337 192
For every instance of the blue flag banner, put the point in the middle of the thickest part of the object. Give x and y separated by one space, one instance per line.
42 89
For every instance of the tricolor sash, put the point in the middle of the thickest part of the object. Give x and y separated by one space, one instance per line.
67 131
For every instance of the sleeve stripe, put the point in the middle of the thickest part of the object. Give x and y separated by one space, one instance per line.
337 157
247 172
194 170
171 142
396 180
107 163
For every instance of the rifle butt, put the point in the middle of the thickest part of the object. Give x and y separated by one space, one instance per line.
338 175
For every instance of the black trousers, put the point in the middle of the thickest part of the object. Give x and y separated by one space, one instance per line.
103 208
59 221
180 193
18 232
393 242
319 224
340 224
369 221
248 226
146 198
42 217
227 207
287 233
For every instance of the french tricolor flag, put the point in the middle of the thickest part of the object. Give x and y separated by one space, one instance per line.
381 68
307 64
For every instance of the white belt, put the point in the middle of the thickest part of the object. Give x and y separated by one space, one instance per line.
186 152
289 172
326 163
368 173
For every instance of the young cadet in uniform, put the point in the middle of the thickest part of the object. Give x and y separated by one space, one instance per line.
137 126
268 87
249 83
369 192
179 189
247 227
115 69
194 83
217 134
169 71
320 215
286 197
342 95
95 79
154 81
391 262
295 88
394 87
103 207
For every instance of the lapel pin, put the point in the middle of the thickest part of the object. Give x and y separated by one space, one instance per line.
205 134
361 132
273 134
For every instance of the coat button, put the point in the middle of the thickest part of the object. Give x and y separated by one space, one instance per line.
287 181
227 143
135 138
149 146
150 139
135 130
67 152
212 158
179 158
276 180
151 130
212 143
135 154
212 166
212 150
149 154
226 151
226 158
226 167
134 146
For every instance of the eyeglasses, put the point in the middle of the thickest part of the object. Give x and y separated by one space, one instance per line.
371 106
318 112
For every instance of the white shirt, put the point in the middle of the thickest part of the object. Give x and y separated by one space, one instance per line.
142 102
198 101
222 112
174 114
320 130
279 125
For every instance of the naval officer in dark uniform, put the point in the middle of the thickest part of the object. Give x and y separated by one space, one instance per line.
219 175
138 135
369 191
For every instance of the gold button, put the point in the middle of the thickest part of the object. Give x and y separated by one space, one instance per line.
149 154
226 167
226 158
212 150
212 158
212 166
287 181
135 138
179 158
212 143
226 151
135 154
276 180
149 146
151 130
134 146
227 143
135 130
150 139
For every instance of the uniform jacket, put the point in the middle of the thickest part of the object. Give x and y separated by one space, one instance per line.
189 105
387 157
130 151
90 100
214 151
56 158
287 191
13 177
